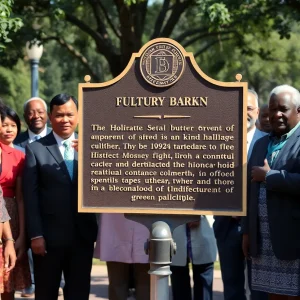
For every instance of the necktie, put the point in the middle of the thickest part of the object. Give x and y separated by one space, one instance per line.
68 157
37 137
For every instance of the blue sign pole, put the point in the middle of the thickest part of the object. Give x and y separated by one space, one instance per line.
34 77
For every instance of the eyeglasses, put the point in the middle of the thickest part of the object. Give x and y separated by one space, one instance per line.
250 108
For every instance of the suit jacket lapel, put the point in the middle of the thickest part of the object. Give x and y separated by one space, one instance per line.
75 169
256 136
26 138
285 152
54 151
262 152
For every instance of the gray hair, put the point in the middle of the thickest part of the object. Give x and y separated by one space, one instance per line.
255 95
287 88
34 98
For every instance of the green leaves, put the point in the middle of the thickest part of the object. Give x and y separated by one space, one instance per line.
7 23
130 2
219 14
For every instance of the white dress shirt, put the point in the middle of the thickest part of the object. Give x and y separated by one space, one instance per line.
250 135
60 142
33 135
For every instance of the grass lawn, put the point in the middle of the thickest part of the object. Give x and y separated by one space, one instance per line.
98 262
217 265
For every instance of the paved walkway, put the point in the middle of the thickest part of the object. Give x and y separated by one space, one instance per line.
99 285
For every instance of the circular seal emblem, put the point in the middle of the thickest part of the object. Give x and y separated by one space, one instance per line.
162 64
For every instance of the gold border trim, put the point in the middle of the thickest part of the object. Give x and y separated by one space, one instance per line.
189 55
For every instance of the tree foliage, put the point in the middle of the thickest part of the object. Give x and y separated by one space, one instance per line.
7 22
114 29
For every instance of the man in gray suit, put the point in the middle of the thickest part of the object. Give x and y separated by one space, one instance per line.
35 115
62 240
228 229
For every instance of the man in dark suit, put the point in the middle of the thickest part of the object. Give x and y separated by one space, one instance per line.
62 240
35 115
228 229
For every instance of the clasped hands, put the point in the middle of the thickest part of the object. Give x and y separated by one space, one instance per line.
258 174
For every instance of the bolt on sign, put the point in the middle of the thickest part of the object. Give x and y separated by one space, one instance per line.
163 138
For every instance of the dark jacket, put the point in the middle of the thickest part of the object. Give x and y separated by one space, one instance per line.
283 199
22 139
222 225
50 196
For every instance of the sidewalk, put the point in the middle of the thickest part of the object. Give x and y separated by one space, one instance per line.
99 285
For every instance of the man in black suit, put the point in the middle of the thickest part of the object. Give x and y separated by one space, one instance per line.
35 115
228 229
62 240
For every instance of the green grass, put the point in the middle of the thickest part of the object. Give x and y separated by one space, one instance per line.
217 265
98 262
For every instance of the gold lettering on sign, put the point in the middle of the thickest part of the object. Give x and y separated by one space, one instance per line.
193 101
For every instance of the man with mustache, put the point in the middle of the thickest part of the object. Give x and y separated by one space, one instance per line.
228 229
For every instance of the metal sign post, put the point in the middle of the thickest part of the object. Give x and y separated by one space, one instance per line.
160 247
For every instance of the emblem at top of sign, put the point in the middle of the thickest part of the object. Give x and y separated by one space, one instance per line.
162 64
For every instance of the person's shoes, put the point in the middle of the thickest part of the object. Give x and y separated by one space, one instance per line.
28 292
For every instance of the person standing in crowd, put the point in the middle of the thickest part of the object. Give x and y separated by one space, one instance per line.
263 118
271 228
120 243
11 183
228 229
195 243
35 115
62 240
11 128
6 238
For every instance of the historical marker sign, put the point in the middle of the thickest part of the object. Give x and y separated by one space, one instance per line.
163 138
